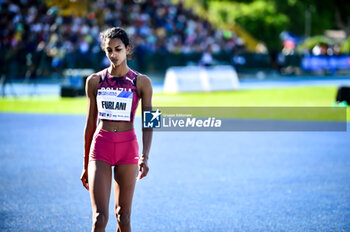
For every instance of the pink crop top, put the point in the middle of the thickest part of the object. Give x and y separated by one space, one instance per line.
126 83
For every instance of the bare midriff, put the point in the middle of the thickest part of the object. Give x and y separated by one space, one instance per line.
116 126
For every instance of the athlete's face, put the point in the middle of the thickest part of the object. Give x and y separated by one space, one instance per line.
116 51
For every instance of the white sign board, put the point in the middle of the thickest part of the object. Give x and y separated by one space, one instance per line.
196 78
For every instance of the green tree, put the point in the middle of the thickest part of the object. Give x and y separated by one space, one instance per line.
259 17
265 19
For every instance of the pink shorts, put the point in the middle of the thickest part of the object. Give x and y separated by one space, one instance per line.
115 148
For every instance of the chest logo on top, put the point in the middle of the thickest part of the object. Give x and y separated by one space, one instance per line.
127 78
117 88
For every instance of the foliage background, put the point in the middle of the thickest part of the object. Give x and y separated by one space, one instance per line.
266 19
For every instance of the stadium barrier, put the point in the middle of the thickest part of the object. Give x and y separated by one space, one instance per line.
326 63
343 94
196 78
74 82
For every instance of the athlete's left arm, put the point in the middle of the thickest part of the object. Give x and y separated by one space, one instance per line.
144 84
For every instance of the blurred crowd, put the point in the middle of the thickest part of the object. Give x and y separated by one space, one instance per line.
40 38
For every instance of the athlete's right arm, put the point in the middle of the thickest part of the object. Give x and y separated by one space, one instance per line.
90 126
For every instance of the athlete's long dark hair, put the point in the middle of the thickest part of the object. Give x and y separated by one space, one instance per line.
114 33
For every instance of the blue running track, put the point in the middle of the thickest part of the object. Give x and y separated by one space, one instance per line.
198 181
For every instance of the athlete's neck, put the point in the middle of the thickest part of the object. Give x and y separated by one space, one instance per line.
118 71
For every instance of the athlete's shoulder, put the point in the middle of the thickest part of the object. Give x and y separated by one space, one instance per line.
92 85
93 78
144 84
97 76
143 79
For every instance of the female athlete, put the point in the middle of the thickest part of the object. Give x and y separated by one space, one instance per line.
113 95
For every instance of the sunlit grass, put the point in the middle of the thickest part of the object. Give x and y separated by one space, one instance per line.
298 96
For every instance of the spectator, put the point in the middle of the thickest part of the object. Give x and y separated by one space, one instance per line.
157 26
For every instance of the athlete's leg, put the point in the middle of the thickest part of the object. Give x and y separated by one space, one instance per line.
124 185
100 177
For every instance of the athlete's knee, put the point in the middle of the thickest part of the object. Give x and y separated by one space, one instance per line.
123 216
100 220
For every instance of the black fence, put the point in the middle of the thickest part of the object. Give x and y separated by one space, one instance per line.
72 69
19 64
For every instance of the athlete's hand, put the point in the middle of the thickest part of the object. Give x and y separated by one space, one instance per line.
143 167
84 179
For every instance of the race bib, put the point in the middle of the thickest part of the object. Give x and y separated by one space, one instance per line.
114 104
